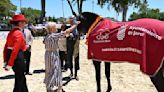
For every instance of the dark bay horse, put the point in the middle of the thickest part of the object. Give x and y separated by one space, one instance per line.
87 19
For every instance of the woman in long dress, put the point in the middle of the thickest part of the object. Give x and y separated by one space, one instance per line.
53 74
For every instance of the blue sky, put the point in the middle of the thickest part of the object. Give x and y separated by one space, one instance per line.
54 7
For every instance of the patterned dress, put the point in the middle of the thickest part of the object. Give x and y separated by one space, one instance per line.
53 74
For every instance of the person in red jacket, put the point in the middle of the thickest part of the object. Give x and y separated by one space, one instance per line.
13 53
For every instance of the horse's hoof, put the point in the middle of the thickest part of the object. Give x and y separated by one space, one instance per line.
109 89
98 90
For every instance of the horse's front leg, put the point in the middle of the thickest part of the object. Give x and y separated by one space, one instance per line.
97 65
158 80
107 73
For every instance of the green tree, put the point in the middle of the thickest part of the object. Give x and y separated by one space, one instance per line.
54 19
31 14
61 19
161 16
7 10
148 13
122 5
49 18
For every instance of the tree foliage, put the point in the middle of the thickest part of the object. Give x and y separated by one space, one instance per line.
6 10
31 14
122 5
148 13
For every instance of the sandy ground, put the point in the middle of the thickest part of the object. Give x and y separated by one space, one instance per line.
125 77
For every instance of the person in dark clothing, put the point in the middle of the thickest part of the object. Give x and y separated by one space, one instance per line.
13 53
71 40
63 50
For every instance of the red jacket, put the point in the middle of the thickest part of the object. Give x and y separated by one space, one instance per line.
15 40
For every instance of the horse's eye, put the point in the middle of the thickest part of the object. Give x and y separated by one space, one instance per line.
81 17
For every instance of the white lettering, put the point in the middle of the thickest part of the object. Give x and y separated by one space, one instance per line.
129 49
146 31
101 41
135 33
102 36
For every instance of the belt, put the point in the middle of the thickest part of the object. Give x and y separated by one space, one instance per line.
11 48
51 49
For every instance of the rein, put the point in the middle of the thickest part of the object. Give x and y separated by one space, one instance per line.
98 19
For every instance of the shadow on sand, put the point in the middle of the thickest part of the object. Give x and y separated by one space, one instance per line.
67 79
7 77
39 71
56 90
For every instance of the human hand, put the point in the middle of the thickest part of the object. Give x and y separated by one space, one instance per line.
28 47
7 68
78 22
67 33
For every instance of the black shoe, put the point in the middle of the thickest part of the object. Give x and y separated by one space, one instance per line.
77 78
63 90
63 70
28 73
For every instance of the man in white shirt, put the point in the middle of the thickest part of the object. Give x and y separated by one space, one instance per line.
29 39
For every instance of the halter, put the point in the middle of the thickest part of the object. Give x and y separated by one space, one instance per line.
98 19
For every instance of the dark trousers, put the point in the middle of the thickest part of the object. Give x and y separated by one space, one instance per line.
19 68
27 56
70 49
77 62
63 57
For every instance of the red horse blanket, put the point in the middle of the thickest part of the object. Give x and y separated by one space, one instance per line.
140 41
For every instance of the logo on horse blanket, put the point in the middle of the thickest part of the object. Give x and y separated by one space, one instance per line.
140 41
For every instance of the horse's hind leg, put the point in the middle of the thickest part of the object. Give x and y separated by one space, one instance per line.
107 73
98 74
158 80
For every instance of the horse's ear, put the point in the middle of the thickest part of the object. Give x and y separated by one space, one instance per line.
80 17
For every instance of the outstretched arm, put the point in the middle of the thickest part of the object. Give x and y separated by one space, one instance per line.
72 27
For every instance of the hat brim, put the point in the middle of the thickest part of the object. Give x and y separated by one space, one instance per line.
13 21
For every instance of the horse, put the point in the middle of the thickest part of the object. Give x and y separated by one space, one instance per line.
87 24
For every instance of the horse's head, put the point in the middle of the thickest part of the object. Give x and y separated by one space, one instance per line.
86 19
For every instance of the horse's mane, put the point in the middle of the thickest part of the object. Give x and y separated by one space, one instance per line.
89 14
